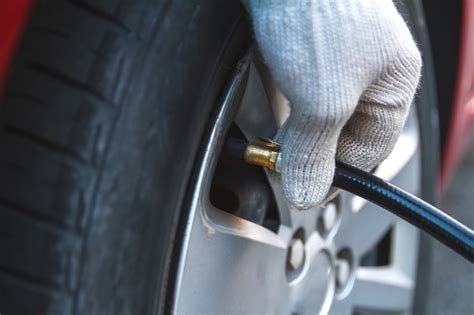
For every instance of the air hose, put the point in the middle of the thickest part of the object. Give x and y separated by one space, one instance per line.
412 209
407 206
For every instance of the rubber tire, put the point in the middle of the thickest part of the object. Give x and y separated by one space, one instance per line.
102 117
427 109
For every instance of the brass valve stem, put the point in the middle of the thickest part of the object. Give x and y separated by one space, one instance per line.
263 152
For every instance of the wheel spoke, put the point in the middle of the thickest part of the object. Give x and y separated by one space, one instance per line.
255 117
229 251
361 230
382 288
290 217
340 307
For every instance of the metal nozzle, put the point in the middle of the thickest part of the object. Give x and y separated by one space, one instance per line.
263 152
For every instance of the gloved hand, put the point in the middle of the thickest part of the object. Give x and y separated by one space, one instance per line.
350 69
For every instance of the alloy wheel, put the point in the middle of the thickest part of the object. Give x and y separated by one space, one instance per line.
245 251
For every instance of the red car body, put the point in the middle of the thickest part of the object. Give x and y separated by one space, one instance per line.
14 14
462 117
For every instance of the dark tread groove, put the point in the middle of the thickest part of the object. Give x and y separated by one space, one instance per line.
35 283
55 74
51 146
100 14
38 218
49 30
23 97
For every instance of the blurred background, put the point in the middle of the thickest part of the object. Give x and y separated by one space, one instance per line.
452 287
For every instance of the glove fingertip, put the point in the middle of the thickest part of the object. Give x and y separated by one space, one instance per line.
305 196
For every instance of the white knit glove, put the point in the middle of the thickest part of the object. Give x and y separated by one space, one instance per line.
350 69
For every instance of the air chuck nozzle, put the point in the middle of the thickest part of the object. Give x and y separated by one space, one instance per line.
262 152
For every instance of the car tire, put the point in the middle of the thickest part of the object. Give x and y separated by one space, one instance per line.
100 123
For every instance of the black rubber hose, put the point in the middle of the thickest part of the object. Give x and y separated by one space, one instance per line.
408 207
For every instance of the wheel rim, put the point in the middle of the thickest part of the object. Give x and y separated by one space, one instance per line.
230 265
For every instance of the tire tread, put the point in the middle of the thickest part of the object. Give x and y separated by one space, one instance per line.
55 55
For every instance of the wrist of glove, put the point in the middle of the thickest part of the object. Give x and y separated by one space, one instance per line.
350 70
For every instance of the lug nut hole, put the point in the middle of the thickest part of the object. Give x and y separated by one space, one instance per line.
345 275
328 219
296 256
